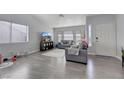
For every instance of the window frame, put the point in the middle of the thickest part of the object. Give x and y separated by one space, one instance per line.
27 31
10 30
90 35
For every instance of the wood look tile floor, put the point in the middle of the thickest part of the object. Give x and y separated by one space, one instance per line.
38 66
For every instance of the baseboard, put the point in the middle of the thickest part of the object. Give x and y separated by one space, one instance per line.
29 53
89 53
113 56
118 58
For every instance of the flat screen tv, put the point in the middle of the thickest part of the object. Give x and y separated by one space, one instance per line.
45 34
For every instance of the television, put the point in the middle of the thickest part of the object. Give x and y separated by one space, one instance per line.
45 34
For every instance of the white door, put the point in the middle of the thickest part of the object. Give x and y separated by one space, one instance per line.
105 39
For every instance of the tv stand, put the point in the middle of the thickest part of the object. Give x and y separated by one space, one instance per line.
46 45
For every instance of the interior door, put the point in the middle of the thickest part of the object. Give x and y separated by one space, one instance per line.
105 39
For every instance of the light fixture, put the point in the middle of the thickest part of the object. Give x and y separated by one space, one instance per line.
61 15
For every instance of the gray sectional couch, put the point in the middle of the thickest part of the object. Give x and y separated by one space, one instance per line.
81 57
65 44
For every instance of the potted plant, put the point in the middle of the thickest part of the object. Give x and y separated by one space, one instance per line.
122 51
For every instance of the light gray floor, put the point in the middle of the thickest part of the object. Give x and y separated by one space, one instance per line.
38 66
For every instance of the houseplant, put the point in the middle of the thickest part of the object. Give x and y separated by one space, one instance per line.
122 51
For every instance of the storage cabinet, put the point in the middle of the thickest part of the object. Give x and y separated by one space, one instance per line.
46 42
46 45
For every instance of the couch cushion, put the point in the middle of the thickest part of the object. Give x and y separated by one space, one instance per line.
70 42
64 42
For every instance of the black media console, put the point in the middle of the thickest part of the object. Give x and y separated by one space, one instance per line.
46 45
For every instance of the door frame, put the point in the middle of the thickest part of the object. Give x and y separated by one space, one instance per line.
115 43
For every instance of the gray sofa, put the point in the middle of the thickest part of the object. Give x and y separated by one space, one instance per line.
65 44
81 57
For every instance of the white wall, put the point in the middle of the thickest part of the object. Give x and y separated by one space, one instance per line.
120 33
35 26
53 20
119 27
71 20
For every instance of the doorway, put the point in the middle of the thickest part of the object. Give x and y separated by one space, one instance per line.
105 39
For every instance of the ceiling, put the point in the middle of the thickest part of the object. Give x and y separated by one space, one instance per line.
55 20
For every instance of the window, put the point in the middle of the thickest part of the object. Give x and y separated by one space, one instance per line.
19 33
68 36
89 35
59 37
74 35
11 32
5 32
78 38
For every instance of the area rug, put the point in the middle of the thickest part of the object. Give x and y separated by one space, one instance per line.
55 53
6 64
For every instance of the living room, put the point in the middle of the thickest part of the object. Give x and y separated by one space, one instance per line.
61 46
65 46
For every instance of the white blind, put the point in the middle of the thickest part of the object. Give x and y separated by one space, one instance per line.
78 38
59 37
19 33
68 35
5 32
12 32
